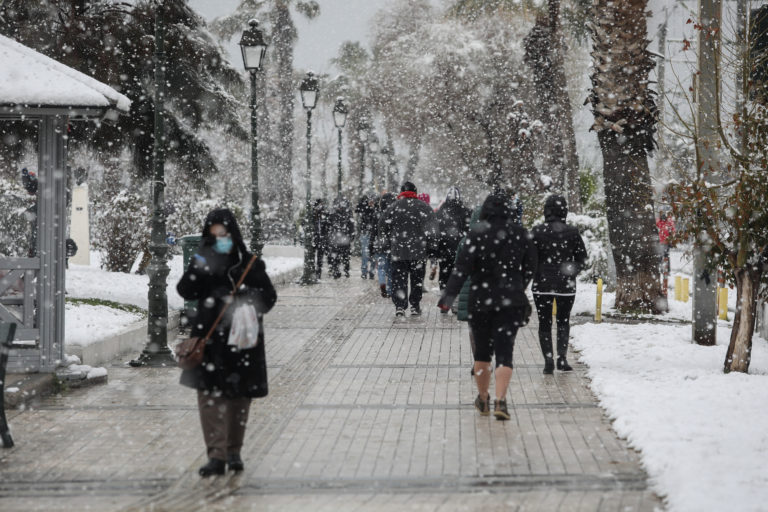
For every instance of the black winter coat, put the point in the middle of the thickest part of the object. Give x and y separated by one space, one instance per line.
408 229
453 224
321 227
366 215
499 259
341 229
561 252
209 279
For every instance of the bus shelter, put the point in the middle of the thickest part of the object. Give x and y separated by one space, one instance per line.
36 88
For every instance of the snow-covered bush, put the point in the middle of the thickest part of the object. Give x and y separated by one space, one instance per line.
594 231
120 216
15 232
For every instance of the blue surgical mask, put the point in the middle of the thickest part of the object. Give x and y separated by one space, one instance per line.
223 244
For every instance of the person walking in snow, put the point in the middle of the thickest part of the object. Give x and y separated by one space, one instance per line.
319 235
229 377
561 256
453 223
341 230
499 259
366 218
379 247
409 226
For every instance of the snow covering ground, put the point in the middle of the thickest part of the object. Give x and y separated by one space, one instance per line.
702 435
86 323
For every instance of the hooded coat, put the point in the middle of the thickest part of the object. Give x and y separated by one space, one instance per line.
561 251
210 279
499 259
453 224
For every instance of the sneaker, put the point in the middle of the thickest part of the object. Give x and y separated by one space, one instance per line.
399 312
415 311
483 406
549 366
500 410
370 276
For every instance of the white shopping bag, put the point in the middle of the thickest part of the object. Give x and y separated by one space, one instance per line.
244 332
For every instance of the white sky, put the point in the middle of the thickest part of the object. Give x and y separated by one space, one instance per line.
319 39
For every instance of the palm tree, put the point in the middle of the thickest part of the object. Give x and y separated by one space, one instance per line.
625 117
279 62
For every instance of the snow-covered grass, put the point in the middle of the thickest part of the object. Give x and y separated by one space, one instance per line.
681 265
703 435
86 323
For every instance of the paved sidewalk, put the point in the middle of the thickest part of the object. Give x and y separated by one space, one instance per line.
364 413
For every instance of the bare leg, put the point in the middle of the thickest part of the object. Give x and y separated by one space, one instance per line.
503 376
483 377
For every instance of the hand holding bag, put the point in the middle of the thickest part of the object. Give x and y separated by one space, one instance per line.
189 353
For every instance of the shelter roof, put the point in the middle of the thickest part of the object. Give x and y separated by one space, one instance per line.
32 80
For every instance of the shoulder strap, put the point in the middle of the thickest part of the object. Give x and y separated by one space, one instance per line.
226 304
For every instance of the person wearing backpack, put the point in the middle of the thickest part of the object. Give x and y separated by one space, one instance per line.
561 256
499 259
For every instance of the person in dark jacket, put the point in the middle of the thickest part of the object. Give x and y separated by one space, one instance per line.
410 228
366 219
561 255
499 259
228 378
319 235
341 231
379 247
453 223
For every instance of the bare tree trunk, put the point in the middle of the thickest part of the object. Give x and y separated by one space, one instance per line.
413 159
631 225
563 115
739 353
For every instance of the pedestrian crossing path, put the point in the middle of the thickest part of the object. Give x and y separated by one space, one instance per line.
365 412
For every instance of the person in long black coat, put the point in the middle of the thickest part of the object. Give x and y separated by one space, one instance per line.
228 378
499 259
319 235
341 231
561 256
453 224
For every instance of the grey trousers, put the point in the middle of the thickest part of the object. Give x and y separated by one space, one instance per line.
223 421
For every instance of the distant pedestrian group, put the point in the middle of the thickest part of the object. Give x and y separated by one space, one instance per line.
486 259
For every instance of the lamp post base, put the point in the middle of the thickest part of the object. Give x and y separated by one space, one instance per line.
162 358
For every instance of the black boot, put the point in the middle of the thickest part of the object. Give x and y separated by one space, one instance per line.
214 467
549 366
235 463
562 365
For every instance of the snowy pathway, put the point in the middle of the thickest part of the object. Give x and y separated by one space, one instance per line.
363 414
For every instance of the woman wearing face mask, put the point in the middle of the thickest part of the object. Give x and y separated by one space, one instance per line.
229 377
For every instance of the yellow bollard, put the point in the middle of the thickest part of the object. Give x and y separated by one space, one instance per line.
554 307
599 305
722 303
678 288
685 291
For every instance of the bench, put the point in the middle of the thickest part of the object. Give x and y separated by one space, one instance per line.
7 333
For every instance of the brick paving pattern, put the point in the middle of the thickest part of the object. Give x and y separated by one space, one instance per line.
365 412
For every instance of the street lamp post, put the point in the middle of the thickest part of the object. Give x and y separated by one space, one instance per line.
362 133
254 48
373 145
340 112
309 90
156 351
